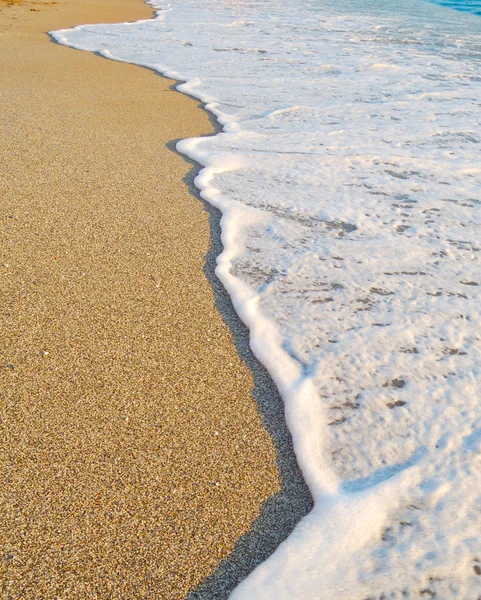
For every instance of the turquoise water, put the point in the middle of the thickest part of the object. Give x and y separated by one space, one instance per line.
471 6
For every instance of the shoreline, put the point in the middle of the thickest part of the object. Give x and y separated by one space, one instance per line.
302 246
86 428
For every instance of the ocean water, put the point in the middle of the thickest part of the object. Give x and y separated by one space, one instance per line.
348 175
471 6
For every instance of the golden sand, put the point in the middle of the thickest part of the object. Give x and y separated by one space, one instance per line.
132 454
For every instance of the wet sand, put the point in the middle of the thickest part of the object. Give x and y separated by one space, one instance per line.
132 454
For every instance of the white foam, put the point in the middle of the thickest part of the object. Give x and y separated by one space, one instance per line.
348 179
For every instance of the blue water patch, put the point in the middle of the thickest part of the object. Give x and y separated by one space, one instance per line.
471 6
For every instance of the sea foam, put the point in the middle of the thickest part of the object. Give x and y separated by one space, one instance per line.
348 175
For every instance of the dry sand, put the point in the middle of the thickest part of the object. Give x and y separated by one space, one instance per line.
132 453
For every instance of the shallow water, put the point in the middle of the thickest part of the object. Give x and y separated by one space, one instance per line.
348 175
471 6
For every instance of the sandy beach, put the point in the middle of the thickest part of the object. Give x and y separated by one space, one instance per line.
133 454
